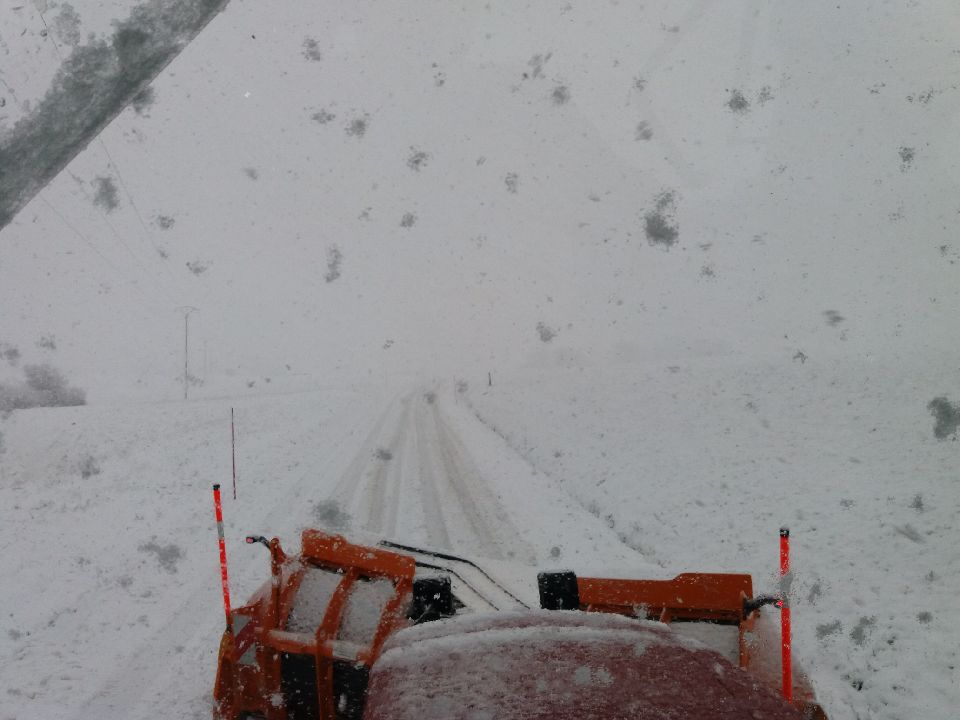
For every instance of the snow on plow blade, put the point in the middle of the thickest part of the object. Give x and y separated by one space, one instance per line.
344 631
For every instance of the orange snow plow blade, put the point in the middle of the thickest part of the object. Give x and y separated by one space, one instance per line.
305 645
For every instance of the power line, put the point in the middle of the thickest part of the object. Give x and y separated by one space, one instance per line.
136 210
93 247
136 258
123 184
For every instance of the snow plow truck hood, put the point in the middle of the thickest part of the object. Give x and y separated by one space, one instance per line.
559 664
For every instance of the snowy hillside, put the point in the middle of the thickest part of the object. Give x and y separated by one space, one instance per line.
705 251
696 465
352 189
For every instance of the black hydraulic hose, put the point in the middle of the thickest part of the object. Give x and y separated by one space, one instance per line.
455 558
753 604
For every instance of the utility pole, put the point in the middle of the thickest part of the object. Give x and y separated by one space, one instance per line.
186 309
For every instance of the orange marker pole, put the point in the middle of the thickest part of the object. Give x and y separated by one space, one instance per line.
785 659
223 556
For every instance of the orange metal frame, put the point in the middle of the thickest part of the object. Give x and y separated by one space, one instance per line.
713 597
249 688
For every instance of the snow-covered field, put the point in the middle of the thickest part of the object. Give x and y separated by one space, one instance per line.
707 252
115 609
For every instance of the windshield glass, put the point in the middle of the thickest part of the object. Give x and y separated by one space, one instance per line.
618 288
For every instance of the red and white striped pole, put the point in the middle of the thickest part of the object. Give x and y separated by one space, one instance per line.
223 556
233 454
785 659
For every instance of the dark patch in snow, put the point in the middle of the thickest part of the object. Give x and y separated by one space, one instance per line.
311 50
545 333
44 386
643 131
47 342
917 503
358 126
408 220
829 629
323 117
512 181
924 97
167 555
659 224
252 173
906 157
860 632
560 95
536 64
946 417
833 317
329 514
198 267
418 159
10 353
164 222
909 532
738 103
106 196
334 259
383 454
639 83
88 467
924 616
765 95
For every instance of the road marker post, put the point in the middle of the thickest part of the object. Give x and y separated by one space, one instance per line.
784 603
223 556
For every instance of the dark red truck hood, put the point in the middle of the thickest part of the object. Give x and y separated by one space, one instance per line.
549 664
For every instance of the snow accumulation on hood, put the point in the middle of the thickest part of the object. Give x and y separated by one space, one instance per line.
544 664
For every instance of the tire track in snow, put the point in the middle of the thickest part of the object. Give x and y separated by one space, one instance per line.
463 499
386 480
345 490
435 525
430 474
